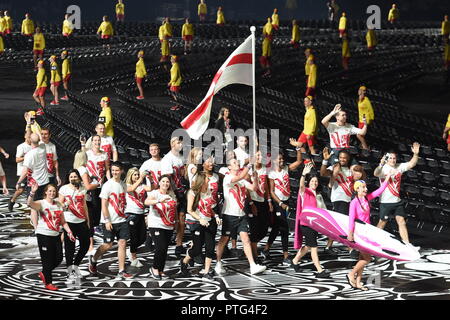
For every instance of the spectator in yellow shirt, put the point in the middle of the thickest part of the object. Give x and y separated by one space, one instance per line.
175 79
445 28
9 23
41 87
312 79
187 33
371 39
446 130
345 51
165 48
38 45
67 28
141 72
342 24
266 47
106 30
202 11
120 11
309 132
27 26
105 116
275 19
295 40
365 110
66 72
393 14
55 80
220 17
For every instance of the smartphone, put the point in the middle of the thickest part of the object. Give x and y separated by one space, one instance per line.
386 157
32 120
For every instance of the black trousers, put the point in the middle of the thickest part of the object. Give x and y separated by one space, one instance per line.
203 236
259 223
50 249
161 238
138 231
95 209
80 231
280 225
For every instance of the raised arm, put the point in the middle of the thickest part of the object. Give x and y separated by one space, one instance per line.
298 161
379 191
326 120
324 172
306 170
415 149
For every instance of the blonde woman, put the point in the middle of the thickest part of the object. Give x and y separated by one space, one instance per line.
136 195
193 164
202 222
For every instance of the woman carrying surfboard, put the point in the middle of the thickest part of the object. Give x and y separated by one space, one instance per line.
360 210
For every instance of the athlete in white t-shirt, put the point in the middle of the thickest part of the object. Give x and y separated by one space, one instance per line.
114 220
241 154
73 196
234 219
52 157
107 142
47 217
152 166
390 202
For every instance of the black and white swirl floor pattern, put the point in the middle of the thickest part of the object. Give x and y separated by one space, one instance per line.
427 278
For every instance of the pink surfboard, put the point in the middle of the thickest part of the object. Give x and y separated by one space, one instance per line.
368 238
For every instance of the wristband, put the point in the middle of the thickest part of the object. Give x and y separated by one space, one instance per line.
250 203
107 220
269 200
280 203
303 175
298 148
324 162
31 194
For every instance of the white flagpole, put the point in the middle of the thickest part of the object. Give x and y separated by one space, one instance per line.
253 30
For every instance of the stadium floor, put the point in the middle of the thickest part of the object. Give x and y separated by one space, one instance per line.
427 278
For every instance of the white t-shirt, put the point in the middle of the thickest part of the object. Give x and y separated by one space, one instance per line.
107 145
36 161
224 171
205 205
75 198
49 218
213 187
342 186
154 169
96 166
136 200
259 194
392 193
190 174
114 192
340 135
234 196
172 164
162 215
52 156
21 151
241 156
281 183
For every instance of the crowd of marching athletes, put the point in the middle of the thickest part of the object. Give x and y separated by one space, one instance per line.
172 193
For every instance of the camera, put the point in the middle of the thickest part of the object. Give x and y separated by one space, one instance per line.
386 157
32 120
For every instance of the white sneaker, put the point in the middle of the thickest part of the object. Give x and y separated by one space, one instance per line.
71 278
219 269
256 268
202 271
136 263
77 272
129 256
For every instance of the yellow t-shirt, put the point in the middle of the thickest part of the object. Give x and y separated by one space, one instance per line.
275 19
307 65
345 49
9 23
365 108
310 122
67 27
445 29
107 114
343 23
54 72
312 78
39 41
175 75
295 33
2 24
371 39
66 67
27 26
447 125
120 8
393 14
41 79
140 68
187 30
220 17
168 29
106 28
202 9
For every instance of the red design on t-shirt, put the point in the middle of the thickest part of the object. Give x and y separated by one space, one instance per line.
284 186
167 212
118 203
262 180
342 141
50 163
30 180
177 178
345 183
138 197
77 206
154 177
96 170
394 184
239 195
214 187
52 218
205 207
108 149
